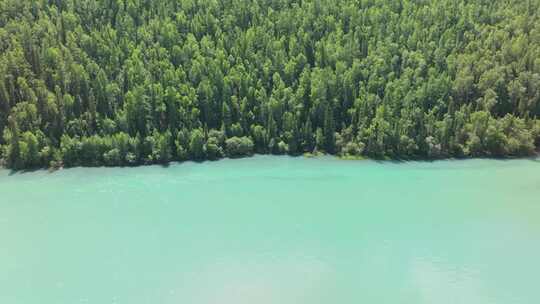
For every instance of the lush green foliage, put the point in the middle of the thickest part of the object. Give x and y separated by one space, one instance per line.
121 82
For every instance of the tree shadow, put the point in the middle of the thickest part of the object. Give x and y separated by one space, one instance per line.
24 171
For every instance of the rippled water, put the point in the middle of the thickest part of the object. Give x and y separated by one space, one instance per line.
273 230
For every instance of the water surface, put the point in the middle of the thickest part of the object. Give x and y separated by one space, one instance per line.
273 230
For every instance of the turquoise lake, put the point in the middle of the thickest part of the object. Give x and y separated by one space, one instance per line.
273 229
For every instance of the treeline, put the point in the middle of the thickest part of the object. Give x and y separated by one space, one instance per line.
125 82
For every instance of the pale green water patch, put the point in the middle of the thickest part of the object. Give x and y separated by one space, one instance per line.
273 230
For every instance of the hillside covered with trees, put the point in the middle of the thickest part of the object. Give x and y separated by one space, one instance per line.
125 82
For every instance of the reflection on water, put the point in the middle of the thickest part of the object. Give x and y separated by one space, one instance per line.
254 281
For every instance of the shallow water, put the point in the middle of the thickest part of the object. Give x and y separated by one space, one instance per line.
273 230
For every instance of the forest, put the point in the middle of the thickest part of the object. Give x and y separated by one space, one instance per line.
129 82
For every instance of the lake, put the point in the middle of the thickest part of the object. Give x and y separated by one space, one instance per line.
273 229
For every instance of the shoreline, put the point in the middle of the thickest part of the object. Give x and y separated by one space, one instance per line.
315 155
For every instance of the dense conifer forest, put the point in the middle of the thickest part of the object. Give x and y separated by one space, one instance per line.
125 82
